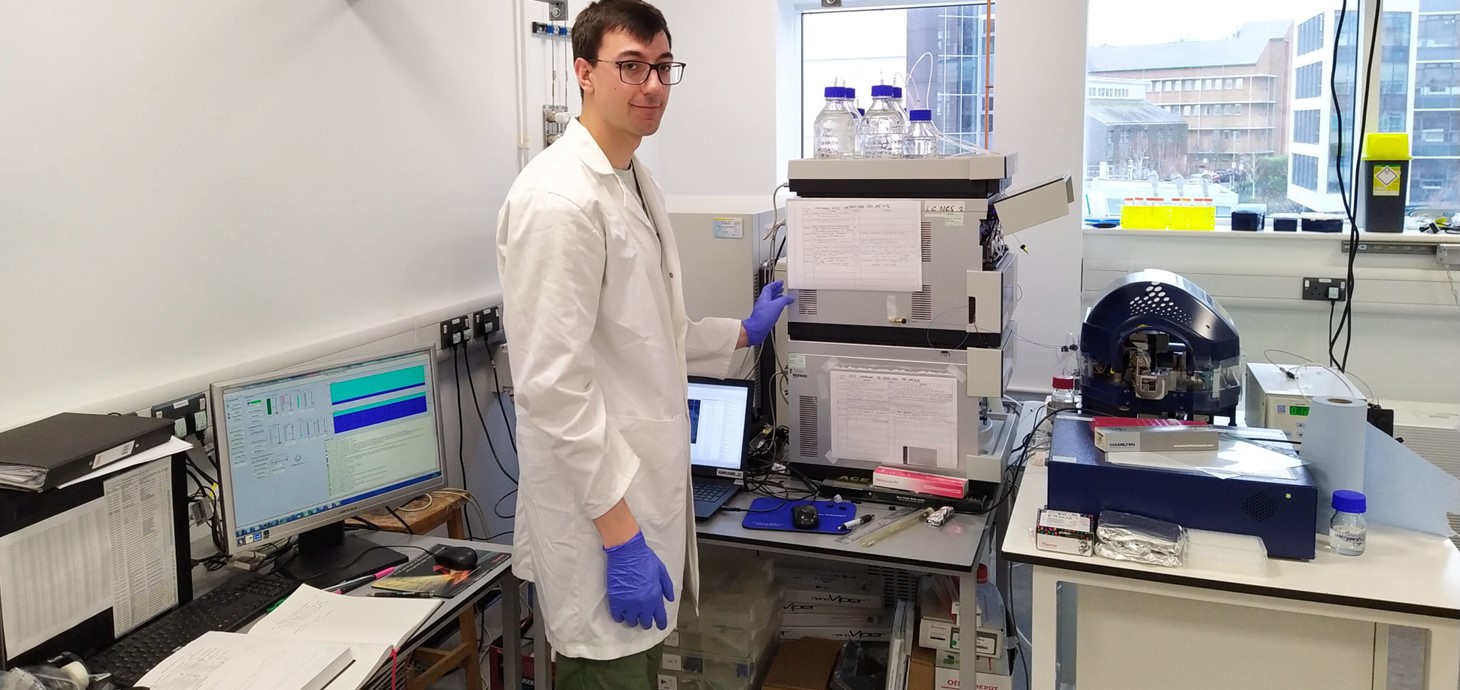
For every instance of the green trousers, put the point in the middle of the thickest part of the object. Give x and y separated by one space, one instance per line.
634 672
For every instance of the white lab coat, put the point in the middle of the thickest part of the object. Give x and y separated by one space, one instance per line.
601 351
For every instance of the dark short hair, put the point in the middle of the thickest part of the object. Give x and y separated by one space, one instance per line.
636 17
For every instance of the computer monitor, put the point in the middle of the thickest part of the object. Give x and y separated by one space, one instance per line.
301 451
719 418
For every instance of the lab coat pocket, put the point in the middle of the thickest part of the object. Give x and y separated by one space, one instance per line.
659 490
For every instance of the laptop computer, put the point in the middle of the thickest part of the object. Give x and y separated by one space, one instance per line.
719 423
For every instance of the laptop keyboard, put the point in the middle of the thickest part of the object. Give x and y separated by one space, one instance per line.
712 492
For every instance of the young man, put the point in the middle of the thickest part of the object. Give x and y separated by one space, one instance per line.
601 352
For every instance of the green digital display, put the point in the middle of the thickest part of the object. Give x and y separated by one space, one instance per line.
1298 410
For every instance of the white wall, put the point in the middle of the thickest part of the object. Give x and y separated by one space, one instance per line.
719 133
187 186
1039 115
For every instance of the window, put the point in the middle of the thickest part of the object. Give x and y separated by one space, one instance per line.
1170 85
1439 37
1247 120
1305 171
860 48
1437 85
1436 133
1310 35
1308 81
1434 181
1305 126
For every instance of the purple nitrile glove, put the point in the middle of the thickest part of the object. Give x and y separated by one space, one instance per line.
638 584
767 311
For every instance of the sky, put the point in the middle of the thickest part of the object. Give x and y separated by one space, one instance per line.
1134 22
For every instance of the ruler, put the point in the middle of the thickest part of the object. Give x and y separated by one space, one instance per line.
875 527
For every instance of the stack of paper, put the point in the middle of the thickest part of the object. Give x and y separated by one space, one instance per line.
311 624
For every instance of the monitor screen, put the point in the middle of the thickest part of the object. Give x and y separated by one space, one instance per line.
718 414
309 448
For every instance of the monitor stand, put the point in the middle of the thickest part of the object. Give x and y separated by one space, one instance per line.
326 556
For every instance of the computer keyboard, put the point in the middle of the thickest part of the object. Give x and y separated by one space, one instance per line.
226 608
712 492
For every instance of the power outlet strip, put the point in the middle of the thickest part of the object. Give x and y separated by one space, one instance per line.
553 125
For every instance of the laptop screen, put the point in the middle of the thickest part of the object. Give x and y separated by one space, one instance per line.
718 414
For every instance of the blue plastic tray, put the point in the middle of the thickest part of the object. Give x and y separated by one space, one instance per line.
775 514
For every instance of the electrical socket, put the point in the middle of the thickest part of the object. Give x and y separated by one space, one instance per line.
487 322
190 414
455 331
551 129
1325 289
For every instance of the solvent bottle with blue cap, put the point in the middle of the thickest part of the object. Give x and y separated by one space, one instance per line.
1347 530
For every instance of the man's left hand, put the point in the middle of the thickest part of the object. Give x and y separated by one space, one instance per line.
773 300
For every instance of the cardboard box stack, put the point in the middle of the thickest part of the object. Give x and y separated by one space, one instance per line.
729 644
939 633
832 606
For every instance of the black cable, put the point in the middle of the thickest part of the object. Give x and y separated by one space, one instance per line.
497 383
497 507
1332 337
461 437
364 524
1015 471
399 519
499 534
1346 320
477 404
1363 106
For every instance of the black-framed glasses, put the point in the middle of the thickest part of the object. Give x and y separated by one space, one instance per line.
636 72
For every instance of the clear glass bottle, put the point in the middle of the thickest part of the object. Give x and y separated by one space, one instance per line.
921 140
883 127
1067 375
900 104
1348 530
834 127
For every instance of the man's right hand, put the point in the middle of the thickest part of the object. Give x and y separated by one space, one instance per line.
638 584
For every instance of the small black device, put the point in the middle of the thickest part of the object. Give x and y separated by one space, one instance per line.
226 609
805 517
719 424
457 558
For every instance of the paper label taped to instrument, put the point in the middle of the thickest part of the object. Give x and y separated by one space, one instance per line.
728 228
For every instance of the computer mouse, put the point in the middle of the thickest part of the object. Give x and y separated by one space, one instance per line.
805 517
456 558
